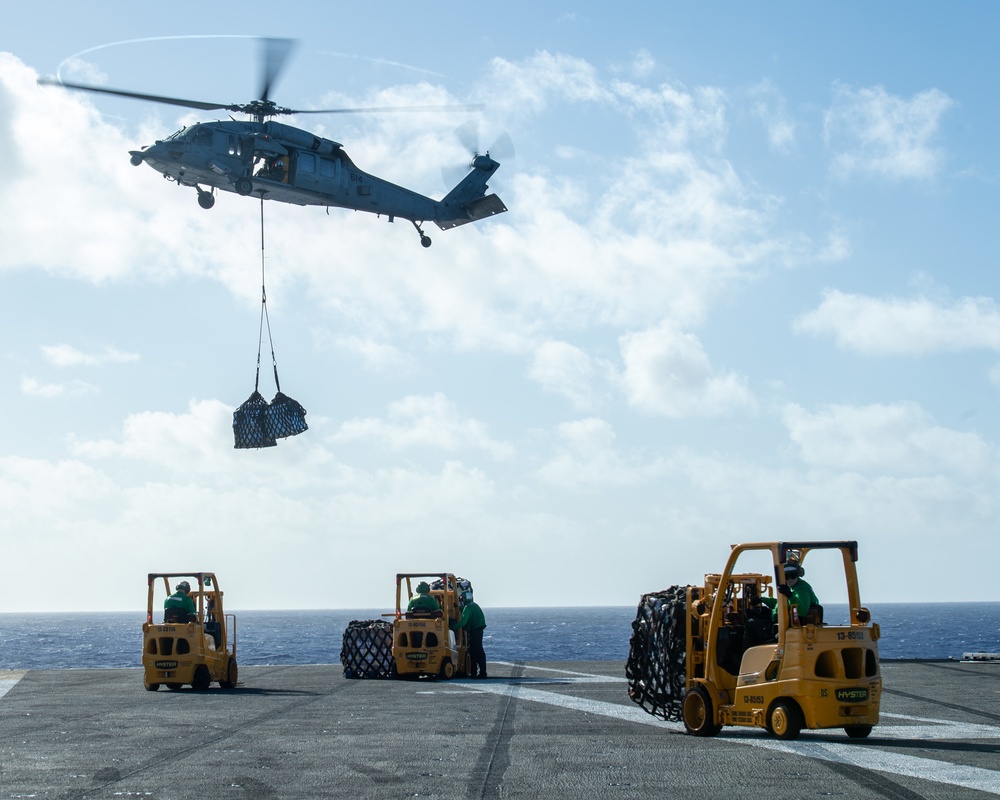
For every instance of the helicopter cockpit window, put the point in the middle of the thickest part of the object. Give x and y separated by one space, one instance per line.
203 136
177 134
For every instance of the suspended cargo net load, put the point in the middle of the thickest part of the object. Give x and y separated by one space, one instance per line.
250 426
366 650
656 666
258 423
285 417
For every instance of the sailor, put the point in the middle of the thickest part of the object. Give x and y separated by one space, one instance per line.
422 600
179 607
474 622
800 595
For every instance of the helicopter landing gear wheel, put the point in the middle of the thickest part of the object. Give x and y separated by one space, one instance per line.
425 240
206 199
244 186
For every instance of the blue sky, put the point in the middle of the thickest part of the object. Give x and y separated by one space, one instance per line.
746 290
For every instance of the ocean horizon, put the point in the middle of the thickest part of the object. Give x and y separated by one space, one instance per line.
96 640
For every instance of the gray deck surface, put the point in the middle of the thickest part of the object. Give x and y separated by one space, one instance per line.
555 731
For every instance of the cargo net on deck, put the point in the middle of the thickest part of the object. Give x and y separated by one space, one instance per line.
366 651
656 666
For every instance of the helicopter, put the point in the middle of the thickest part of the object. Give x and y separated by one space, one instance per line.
272 160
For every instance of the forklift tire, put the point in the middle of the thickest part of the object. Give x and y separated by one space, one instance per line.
174 687
232 675
447 669
784 720
202 678
858 731
151 687
697 713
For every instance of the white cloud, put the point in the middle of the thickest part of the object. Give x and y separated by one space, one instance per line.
908 326
563 369
667 372
33 387
897 439
424 421
378 357
64 355
643 63
770 107
529 86
876 133
587 457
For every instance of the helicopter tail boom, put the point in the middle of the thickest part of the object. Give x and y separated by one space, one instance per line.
468 201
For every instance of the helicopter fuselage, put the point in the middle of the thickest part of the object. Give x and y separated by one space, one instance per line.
286 164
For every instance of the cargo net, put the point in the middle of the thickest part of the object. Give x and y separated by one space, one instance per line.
463 587
656 668
258 423
366 651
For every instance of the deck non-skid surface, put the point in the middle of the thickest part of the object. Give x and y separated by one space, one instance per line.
558 731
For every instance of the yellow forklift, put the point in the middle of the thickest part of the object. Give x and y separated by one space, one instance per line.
423 642
717 654
194 649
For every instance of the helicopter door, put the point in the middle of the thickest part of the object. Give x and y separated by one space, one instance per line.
329 174
306 174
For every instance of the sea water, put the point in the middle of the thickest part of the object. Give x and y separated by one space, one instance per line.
97 640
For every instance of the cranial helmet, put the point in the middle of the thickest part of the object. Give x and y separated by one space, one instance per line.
184 586
423 588
794 570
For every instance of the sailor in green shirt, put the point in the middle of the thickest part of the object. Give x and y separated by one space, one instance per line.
474 621
796 590
422 600
179 607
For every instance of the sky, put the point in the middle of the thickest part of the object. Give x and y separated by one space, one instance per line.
746 290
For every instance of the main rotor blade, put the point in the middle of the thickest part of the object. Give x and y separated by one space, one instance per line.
276 52
155 98
393 109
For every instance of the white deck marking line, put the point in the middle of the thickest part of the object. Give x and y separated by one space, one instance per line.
856 753
9 679
590 677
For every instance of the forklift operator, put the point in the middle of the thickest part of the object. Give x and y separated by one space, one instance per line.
796 590
422 600
179 607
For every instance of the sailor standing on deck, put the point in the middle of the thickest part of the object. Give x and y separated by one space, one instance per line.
474 622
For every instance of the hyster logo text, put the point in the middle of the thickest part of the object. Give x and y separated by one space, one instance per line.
852 695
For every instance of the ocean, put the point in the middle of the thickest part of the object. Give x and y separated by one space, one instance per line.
81 640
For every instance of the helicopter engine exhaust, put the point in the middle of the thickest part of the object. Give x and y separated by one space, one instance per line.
300 138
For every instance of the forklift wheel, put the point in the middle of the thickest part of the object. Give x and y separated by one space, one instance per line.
232 675
785 719
151 687
202 678
697 711
858 731
447 669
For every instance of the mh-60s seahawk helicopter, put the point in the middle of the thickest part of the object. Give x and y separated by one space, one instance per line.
280 162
